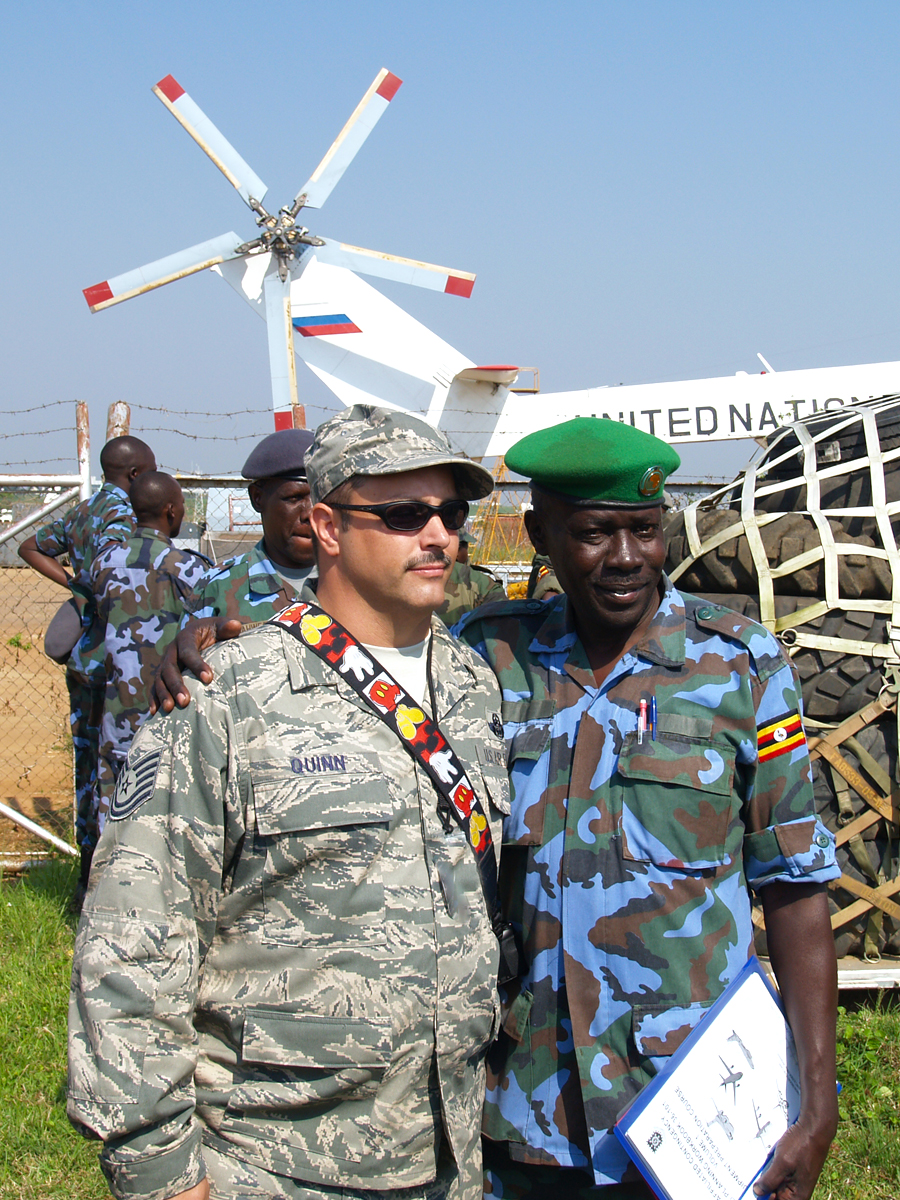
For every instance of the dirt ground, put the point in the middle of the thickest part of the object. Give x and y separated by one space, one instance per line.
35 744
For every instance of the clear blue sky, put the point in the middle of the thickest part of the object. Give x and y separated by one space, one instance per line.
648 191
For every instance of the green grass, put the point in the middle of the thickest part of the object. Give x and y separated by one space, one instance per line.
42 1158
864 1163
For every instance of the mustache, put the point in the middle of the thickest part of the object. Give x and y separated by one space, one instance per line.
608 579
431 558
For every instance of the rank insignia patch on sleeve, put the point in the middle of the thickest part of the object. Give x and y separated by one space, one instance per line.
135 785
780 736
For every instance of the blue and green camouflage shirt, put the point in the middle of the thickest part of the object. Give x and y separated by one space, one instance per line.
82 532
246 587
626 859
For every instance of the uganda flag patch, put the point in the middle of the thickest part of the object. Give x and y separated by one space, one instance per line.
780 736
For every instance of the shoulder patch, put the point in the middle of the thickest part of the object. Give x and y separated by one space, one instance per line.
780 736
135 785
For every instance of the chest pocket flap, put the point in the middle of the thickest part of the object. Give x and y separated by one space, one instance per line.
527 724
300 795
322 834
677 802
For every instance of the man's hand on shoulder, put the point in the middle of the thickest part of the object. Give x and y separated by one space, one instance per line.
185 654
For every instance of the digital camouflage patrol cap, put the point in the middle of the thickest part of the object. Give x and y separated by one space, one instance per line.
596 459
369 440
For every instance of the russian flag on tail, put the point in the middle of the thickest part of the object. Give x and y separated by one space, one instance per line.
325 325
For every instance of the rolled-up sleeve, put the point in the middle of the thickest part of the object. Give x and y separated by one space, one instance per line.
784 839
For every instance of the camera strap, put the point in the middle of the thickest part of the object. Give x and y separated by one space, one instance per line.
421 738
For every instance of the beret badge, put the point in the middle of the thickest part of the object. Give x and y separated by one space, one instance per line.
651 482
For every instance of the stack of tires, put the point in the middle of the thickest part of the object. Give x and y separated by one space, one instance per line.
820 480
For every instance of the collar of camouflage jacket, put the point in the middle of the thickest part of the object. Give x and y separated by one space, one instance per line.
113 489
663 643
262 576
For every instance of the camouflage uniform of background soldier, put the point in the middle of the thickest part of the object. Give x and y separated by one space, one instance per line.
142 588
105 517
627 857
469 586
252 587
542 581
275 841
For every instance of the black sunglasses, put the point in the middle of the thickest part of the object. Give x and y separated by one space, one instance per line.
409 516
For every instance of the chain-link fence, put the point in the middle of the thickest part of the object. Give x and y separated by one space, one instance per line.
35 743
36 777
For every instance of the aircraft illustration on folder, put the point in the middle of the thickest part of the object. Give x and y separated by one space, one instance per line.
365 348
732 1079
761 1126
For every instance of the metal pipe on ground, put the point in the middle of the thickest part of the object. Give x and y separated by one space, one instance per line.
33 827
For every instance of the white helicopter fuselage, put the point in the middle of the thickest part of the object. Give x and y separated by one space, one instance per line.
367 349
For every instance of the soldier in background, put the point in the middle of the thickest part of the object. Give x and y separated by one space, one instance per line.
469 586
658 766
250 588
105 517
142 587
253 587
542 582
284 978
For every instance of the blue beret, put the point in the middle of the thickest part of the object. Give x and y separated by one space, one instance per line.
281 455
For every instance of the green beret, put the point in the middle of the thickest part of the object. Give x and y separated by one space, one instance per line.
594 458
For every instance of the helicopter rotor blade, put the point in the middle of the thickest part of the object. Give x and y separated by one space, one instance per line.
164 270
390 266
365 116
210 140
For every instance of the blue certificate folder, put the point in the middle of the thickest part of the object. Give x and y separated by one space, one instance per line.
705 1125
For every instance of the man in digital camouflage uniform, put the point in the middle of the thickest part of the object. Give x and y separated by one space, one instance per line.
284 978
469 585
142 587
255 586
105 517
627 856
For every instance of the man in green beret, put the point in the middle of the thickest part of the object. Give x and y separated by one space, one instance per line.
659 769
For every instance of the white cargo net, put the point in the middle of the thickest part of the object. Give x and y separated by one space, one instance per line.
814 470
